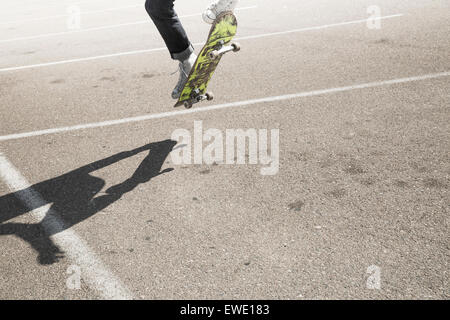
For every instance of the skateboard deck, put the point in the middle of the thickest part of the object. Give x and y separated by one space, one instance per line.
218 43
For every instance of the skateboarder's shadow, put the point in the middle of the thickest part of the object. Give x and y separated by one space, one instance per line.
74 197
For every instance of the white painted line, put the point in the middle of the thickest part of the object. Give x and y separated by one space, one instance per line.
93 271
47 64
326 26
66 15
46 5
54 34
223 106
119 54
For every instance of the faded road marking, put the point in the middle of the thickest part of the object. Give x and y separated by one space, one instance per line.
127 53
224 106
93 271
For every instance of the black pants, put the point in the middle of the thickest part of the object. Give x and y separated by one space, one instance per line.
169 26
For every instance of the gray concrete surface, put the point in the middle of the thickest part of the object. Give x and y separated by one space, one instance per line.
364 174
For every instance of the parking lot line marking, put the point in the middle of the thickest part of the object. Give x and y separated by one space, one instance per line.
224 106
119 54
93 271
47 64
66 15
326 26
54 34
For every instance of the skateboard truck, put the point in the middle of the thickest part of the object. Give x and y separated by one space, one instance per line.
234 46
197 97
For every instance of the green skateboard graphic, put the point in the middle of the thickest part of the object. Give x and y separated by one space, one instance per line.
219 42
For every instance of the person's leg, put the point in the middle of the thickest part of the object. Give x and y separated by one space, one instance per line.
163 14
217 7
169 26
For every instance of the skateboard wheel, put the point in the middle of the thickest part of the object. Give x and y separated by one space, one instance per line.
209 96
214 55
187 105
236 46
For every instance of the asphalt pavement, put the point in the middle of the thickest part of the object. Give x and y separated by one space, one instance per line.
94 203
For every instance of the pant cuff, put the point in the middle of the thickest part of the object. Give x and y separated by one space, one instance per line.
183 55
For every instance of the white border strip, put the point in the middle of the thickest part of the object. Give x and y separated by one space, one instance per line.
93 271
47 64
222 106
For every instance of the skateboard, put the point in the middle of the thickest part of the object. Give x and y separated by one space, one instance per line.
219 43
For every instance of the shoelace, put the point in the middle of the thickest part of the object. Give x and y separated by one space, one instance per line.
178 70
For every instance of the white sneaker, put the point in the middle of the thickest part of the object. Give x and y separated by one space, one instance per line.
184 68
217 7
